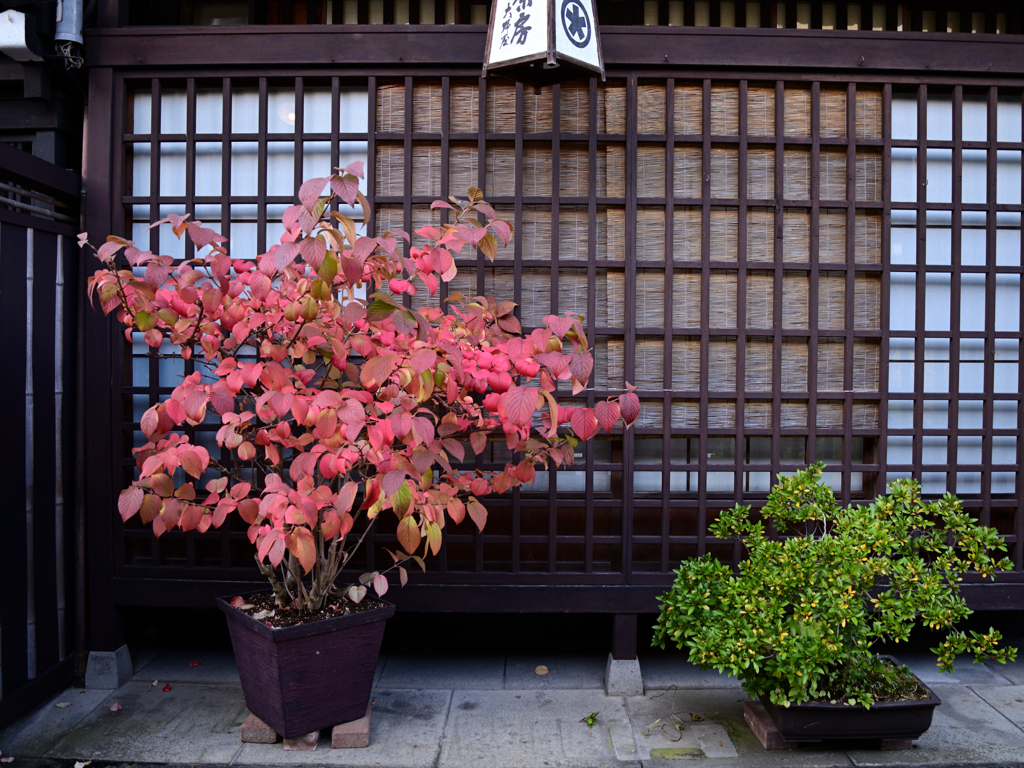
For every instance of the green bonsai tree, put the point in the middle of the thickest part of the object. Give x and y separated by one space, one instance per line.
804 615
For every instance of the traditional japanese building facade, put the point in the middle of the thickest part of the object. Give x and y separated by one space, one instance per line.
795 227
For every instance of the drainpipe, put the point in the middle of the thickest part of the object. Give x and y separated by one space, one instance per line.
68 37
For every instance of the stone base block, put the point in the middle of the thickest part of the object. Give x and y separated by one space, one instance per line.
622 677
305 743
109 669
255 731
763 728
889 744
352 735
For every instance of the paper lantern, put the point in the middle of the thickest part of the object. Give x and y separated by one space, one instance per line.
540 42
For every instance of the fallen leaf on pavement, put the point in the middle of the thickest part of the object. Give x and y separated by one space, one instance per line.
6 759
194 663
115 707
696 718
167 688
62 704
154 684
81 764
541 670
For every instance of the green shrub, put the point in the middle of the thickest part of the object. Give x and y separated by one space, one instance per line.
804 615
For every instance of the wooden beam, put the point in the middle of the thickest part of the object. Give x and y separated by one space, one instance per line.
706 47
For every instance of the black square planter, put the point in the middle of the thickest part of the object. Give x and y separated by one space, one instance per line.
311 676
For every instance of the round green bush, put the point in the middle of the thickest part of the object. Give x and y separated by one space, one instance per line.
809 607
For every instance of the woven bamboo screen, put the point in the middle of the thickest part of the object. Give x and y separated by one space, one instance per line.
699 283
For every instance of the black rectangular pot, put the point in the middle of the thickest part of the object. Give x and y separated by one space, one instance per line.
303 678
890 720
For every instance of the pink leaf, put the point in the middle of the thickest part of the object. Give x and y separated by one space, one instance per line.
129 502
115 707
310 191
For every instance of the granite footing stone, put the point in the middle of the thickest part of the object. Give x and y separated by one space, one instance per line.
255 731
305 743
109 669
763 728
622 677
352 735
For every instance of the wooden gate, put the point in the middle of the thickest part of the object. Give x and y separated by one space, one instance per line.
38 275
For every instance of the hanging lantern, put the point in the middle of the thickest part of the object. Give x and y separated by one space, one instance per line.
540 42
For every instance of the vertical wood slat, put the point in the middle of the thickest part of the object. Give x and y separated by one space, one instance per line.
629 343
14 609
919 322
990 306
705 292
45 444
953 411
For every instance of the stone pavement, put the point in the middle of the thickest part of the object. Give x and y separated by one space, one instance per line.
496 711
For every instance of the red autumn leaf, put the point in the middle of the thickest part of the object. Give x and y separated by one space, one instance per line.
302 545
194 663
376 371
167 688
477 513
520 403
607 414
408 534
629 404
584 423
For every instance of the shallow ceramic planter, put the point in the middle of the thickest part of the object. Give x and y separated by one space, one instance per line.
887 720
311 676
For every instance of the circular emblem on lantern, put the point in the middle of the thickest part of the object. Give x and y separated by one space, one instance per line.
576 22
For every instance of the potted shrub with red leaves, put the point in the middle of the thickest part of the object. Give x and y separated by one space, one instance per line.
337 402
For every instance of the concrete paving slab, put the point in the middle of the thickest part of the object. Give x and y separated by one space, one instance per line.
663 671
576 672
1008 700
405 732
382 661
721 711
965 671
34 735
443 672
966 730
504 729
189 724
174 666
1012 670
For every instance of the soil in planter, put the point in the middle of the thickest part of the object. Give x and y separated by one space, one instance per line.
884 680
264 608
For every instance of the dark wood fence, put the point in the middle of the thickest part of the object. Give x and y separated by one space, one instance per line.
38 272
728 230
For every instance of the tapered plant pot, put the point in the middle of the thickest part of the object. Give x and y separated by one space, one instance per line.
311 676
886 720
